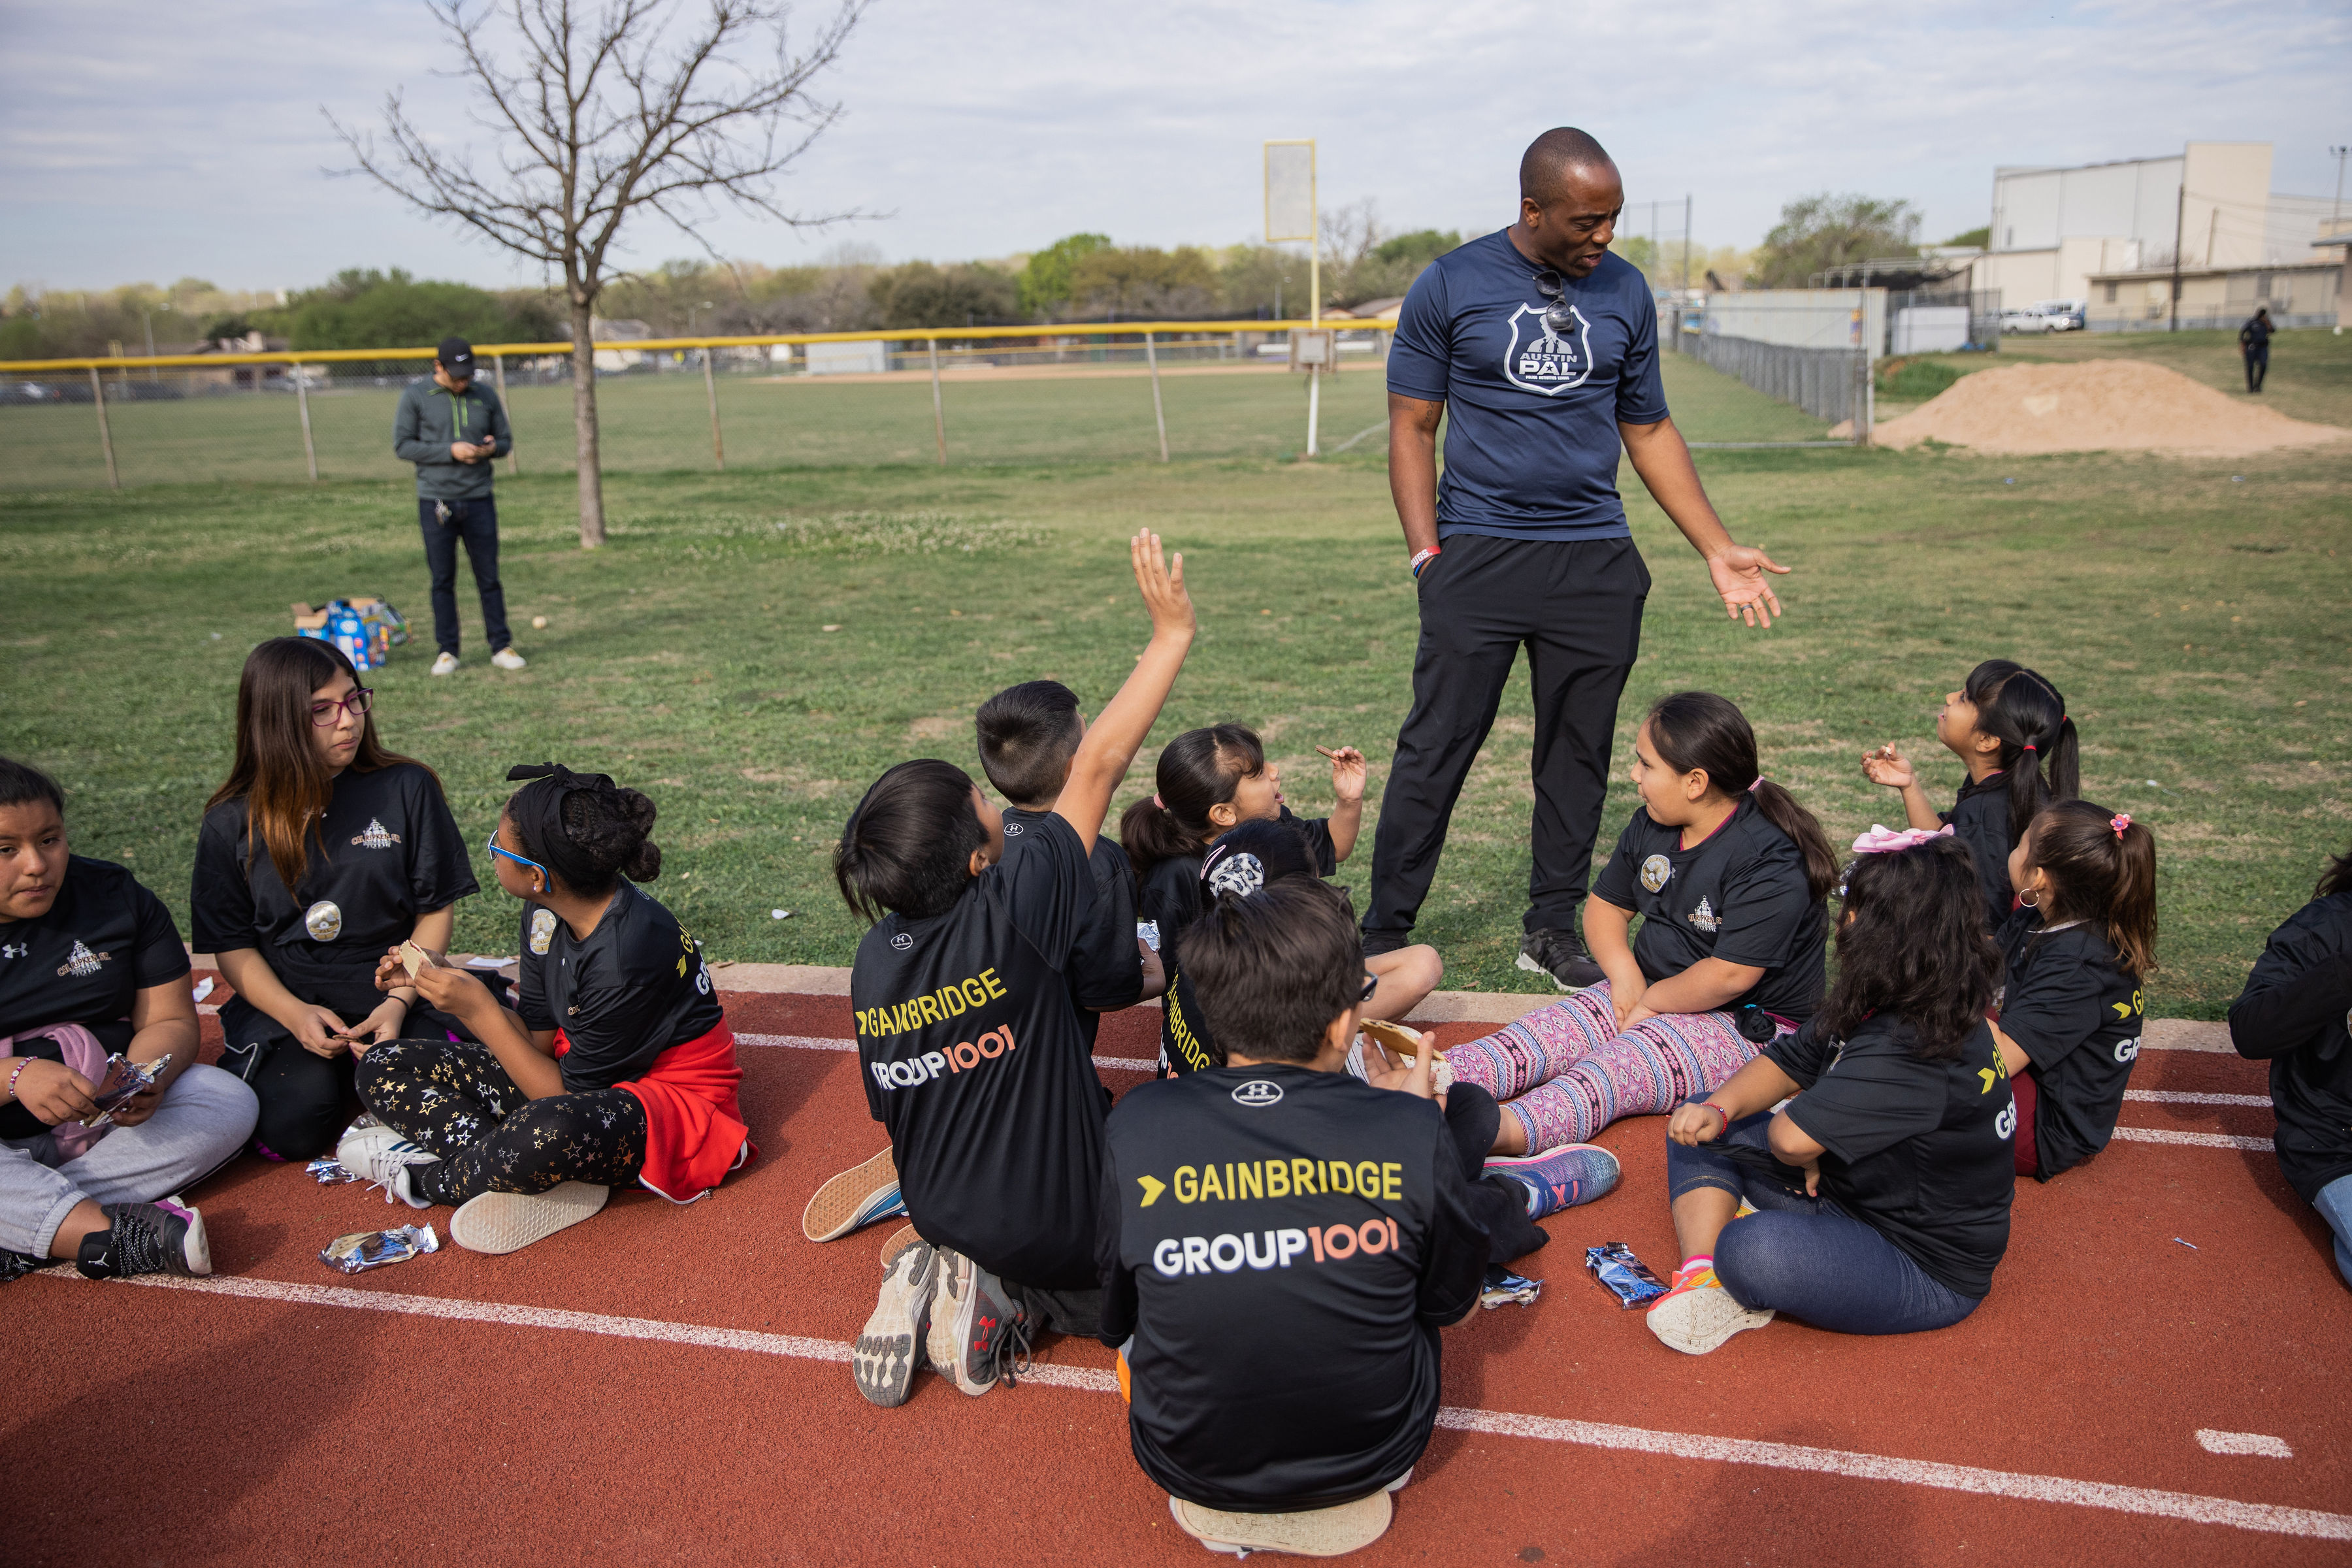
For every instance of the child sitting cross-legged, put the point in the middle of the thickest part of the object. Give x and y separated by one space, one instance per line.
1283 1242
1876 1200
1727 873
969 1041
2071 1005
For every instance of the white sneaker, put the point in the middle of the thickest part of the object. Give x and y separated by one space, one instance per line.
1698 1314
506 659
445 665
380 1156
508 1222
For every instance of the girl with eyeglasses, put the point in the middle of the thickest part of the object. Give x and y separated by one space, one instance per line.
617 1069
321 850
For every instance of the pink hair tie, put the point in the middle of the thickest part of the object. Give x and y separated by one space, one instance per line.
2120 821
1159 802
1756 786
1883 840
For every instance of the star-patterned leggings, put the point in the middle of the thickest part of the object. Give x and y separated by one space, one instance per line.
1565 1072
455 1100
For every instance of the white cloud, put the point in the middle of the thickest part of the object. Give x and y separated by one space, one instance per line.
143 141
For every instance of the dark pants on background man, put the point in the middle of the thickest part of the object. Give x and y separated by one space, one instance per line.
475 522
2258 365
1576 605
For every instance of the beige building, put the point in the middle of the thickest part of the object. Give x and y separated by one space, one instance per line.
2303 295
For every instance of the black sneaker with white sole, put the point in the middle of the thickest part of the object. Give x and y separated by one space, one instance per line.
1560 954
162 1238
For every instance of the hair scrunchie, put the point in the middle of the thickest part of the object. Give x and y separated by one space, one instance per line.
537 812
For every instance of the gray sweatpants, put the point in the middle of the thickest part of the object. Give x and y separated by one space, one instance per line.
205 1116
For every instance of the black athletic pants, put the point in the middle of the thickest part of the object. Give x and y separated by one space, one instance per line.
2258 365
306 1099
453 1098
1576 606
1501 1204
475 524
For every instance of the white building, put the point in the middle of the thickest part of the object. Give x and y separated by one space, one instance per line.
2054 228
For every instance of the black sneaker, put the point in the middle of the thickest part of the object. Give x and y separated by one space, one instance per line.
16 1265
1561 955
162 1237
1380 941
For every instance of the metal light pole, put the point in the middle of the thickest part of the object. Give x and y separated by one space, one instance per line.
2336 222
147 312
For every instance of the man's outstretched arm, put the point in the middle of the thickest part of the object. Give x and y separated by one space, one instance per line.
1663 459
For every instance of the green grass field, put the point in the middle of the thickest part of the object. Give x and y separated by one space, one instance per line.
2195 614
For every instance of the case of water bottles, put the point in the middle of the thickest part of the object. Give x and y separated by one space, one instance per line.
366 629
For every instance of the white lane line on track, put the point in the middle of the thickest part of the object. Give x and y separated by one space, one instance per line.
2183 1097
820 1043
2258 1444
2266 1518
2194 1140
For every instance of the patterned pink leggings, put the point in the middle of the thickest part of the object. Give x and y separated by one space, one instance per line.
1566 1072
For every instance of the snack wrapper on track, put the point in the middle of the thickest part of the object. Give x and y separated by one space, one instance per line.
329 1173
374 1248
1504 1288
1622 1275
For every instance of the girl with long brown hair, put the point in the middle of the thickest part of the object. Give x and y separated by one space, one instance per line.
321 850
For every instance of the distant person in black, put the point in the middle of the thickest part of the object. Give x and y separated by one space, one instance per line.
455 431
2254 346
2295 1013
1028 735
2009 727
2070 1006
321 850
1282 1240
1881 1187
970 1044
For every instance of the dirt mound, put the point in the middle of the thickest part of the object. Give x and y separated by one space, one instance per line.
2104 405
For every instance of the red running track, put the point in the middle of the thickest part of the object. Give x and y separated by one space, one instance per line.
666 1385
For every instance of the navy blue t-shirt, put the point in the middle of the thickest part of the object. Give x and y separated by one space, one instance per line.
1532 410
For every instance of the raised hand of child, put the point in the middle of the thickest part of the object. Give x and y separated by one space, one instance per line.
1162 583
1348 774
1889 767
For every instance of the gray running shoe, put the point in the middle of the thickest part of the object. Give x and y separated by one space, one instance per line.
884 1359
988 1334
1560 954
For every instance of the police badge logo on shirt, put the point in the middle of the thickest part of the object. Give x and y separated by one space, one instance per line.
1654 872
323 921
1551 349
543 931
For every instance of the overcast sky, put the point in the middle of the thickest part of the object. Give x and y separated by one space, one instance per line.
144 141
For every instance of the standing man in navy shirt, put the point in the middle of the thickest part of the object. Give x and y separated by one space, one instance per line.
1545 348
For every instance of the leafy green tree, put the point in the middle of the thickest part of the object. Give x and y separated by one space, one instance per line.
918 294
1972 238
1046 282
1137 281
1817 233
365 309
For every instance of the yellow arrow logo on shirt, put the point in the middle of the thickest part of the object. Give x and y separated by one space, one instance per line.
1152 1188
2122 1009
1986 1074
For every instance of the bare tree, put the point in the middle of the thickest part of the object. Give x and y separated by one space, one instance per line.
647 106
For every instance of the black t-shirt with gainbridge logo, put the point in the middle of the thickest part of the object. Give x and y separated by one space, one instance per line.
2069 1002
1104 969
1283 1246
1979 819
973 1059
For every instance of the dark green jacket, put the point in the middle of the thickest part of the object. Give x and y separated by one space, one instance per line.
432 419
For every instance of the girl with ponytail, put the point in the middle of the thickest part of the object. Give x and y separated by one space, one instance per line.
1729 874
1211 781
2076 955
618 1066
2008 725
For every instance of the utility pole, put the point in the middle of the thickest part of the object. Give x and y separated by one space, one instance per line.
2336 222
2179 213
1686 225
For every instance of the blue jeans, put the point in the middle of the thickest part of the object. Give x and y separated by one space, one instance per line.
1807 1256
2335 1206
475 524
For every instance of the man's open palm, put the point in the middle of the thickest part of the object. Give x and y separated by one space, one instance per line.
1739 574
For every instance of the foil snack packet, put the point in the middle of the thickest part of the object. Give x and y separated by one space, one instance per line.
1622 1275
1504 1288
328 1171
374 1248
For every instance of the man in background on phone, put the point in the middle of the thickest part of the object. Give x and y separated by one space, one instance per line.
453 430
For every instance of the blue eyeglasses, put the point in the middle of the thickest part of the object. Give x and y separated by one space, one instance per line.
495 848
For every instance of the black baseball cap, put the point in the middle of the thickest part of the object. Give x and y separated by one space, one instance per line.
456 354
1253 856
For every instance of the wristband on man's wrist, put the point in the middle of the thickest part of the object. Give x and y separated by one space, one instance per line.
1421 558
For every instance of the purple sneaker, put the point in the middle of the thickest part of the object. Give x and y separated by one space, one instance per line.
1560 1178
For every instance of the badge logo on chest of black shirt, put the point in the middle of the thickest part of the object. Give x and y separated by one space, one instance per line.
1654 872
375 835
81 961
